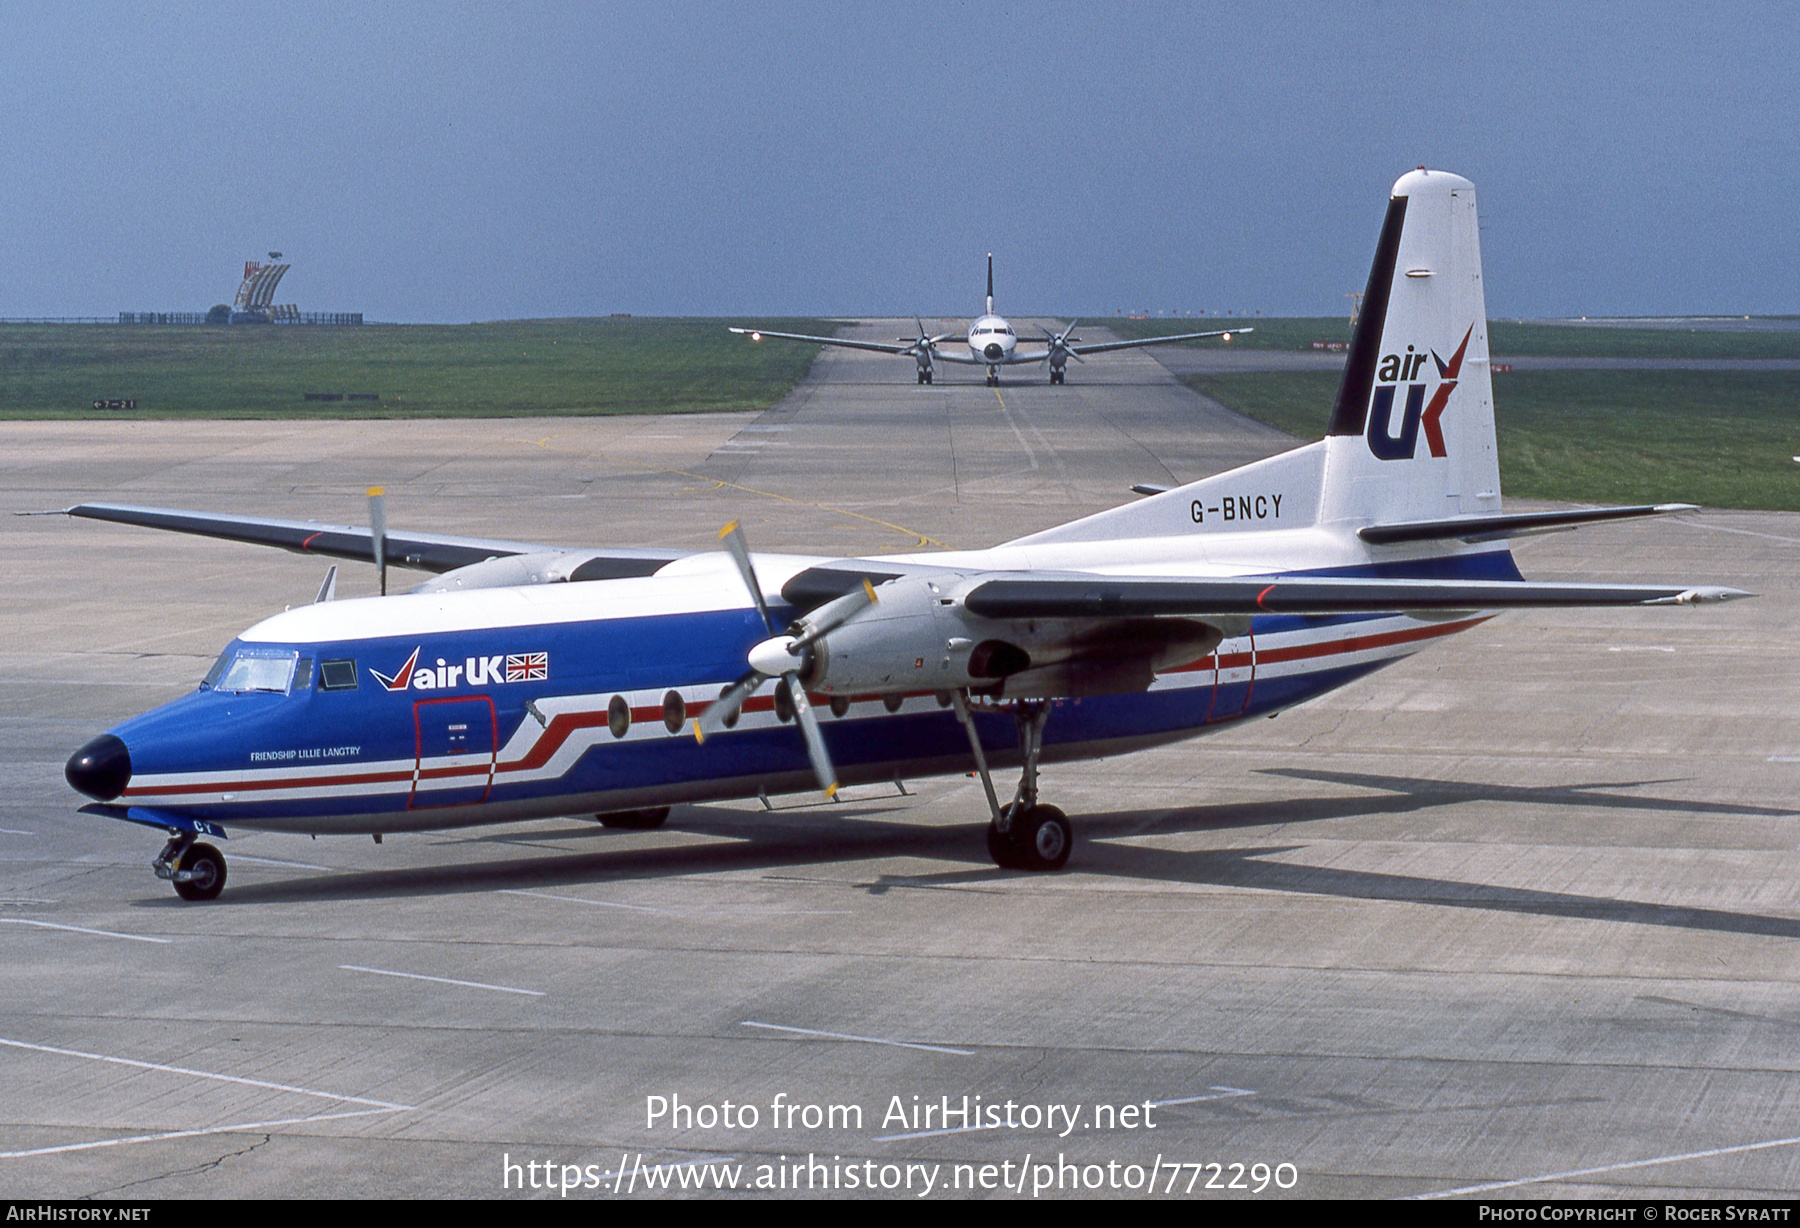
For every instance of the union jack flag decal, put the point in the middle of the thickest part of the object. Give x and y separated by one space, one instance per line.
527 667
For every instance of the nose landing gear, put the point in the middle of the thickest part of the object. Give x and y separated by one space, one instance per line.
197 870
993 379
1024 835
1058 375
924 375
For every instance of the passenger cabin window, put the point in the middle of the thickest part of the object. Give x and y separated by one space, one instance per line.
337 675
259 669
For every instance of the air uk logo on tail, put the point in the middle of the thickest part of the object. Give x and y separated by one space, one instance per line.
1398 369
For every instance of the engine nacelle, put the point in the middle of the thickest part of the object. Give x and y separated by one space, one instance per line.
544 567
920 637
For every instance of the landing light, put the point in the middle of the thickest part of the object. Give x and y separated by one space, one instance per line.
756 336
1226 337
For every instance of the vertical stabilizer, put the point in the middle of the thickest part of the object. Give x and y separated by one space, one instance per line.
990 297
1412 430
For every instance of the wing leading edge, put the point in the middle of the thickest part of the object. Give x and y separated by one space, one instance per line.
433 552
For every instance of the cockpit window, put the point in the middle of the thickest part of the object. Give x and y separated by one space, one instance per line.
218 669
259 669
337 675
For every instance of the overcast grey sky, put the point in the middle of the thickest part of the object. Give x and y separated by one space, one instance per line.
436 162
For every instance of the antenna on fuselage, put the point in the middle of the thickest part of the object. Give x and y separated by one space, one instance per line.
990 306
378 531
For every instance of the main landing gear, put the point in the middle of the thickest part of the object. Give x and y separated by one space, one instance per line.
1024 835
197 870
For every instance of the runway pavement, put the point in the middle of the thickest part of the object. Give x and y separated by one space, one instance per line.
1518 915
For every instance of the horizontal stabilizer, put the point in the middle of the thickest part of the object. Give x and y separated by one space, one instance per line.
1103 597
419 551
1490 528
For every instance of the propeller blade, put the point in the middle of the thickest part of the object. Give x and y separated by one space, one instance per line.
834 614
328 590
721 711
378 531
733 537
815 739
1068 330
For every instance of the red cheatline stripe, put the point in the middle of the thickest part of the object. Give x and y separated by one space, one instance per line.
244 786
1363 643
307 544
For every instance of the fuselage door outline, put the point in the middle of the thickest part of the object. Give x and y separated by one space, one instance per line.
461 726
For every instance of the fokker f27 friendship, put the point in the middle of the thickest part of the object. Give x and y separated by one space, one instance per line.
526 681
993 343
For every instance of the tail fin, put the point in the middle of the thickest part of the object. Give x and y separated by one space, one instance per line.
990 298
1412 431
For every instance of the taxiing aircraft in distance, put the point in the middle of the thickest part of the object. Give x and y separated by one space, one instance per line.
992 343
529 681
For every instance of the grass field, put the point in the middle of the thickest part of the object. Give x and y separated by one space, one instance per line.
1718 438
509 369
1506 338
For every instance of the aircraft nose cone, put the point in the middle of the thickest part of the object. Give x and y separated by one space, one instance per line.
101 769
994 350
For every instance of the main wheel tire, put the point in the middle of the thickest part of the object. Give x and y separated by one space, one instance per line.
635 820
1002 849
1043 838
207 865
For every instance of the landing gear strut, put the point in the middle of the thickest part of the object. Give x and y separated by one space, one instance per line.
924 376
1024 835
1057 375
197 870
993 380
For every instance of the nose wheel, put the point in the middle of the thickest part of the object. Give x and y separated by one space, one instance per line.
924 376
1057 375
993 379
196 870
1024 835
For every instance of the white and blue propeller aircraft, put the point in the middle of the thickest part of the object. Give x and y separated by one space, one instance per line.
992 343
527 681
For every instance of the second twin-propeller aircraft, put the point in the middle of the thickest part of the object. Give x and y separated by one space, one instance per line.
526 681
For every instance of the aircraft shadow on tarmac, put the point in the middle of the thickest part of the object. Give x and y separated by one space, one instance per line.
811 837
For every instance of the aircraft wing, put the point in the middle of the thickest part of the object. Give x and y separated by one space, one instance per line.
433 552
883 347
1038 596
1104 346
